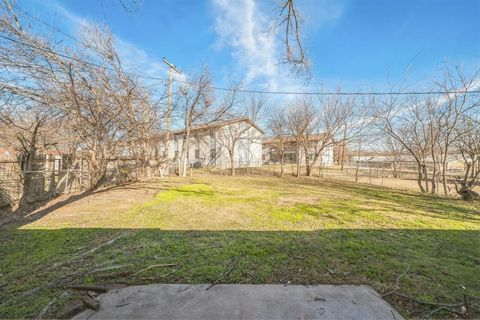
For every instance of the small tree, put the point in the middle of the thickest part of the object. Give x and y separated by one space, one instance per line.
230 136
196 106
338 120
395 150
301 124
278 126
195 102
468 146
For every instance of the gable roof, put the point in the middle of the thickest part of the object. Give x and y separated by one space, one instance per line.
291 139
218 124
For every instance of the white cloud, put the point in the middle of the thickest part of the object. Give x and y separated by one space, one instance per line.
242 26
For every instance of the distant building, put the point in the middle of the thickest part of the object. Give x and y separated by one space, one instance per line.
209 144
455 163
271 154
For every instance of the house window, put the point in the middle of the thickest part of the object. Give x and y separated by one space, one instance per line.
213 141
213 148
197 150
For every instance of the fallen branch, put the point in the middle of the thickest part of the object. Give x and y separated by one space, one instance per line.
45 310
61 281
333 274
224 274
397 283
446 309
91 303
107 243
435 304
83 254
155 266
440 306
88 288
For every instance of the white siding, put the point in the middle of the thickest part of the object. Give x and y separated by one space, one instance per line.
248 150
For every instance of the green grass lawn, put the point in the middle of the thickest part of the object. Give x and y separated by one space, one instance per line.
269 230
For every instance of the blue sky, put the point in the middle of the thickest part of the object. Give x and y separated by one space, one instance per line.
356 43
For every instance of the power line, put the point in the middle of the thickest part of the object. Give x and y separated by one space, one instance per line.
50 26
333 93
79 60
252 91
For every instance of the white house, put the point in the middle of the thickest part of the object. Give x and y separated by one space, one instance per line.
219 144
271 151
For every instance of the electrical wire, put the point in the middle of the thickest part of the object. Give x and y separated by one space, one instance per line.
251 91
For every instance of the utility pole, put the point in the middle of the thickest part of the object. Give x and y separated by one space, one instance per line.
169 108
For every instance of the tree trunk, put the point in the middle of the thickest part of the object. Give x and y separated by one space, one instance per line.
298 160
425 176
308 171
184 157
308 166
434 178
232 164
420 178
444 176
29 155
282 160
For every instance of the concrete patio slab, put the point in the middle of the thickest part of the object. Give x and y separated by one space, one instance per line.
237 301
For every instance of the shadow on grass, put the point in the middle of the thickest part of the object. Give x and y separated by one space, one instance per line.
27 213
443 264
438 206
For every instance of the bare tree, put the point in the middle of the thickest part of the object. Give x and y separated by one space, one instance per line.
235 135
395 150
301 124
339 120
278 126
196 106
86 85
450 110
468 145
318 127
428 127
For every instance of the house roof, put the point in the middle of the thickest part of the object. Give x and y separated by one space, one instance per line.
272 140
215 125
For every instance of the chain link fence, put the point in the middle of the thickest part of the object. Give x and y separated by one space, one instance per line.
404 176
54 178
